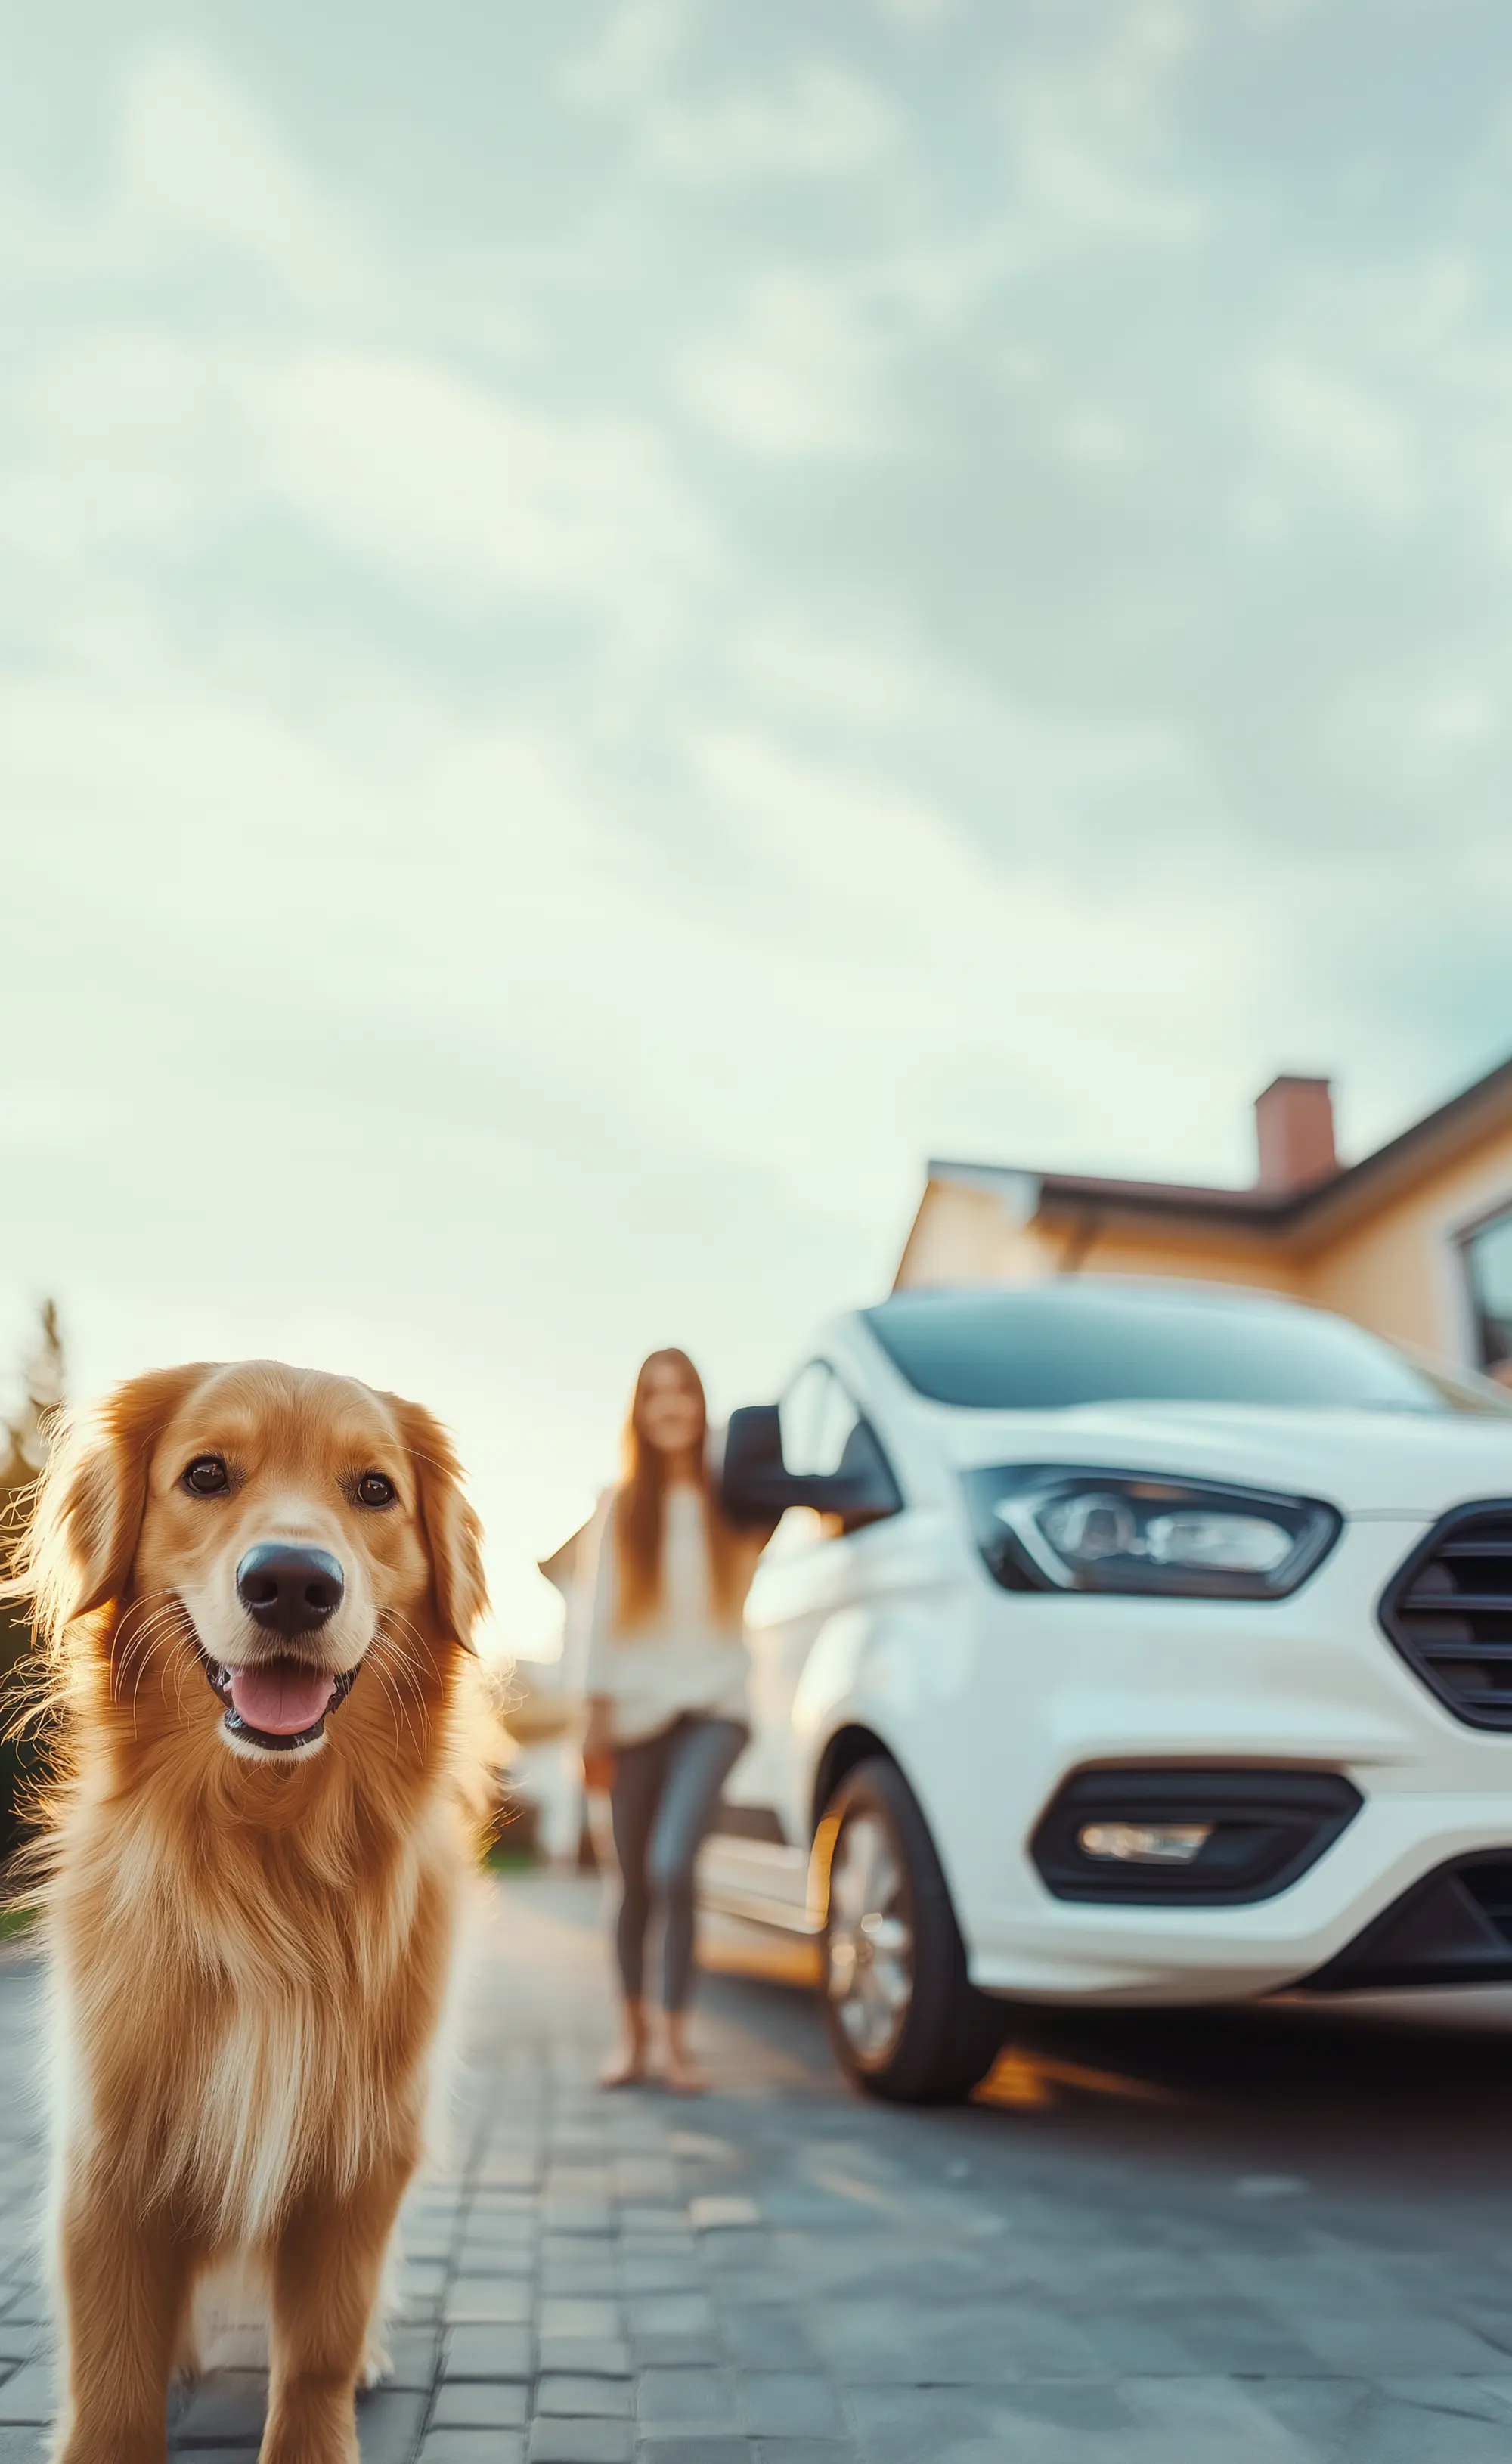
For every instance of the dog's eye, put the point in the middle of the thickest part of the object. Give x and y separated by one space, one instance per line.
207 1475
373 1489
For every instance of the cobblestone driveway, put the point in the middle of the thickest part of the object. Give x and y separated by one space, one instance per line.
1195 2245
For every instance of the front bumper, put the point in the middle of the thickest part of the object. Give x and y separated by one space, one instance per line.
1039 1689
1453 1928
1303 1936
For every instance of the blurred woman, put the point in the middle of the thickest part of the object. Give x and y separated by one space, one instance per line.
666 1685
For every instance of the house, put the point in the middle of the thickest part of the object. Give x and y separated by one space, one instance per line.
1414 1240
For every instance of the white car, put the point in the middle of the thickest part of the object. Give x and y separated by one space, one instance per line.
1129 1642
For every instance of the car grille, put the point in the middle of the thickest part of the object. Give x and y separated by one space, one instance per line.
1449 1612
1489 1883
1452 1927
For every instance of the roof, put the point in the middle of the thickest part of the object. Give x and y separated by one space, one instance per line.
1458 1122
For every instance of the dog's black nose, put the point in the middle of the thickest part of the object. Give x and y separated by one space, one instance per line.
288 1589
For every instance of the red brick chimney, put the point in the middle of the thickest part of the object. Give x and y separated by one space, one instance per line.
1294 1132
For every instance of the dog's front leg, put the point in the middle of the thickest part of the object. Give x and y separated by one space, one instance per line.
126 2284
327 2272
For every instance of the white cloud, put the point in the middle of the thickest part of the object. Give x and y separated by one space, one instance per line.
197 157
823 123
639 43
409 464
134 436
801 373
1094 439
1339 431
919 17
865 682
1093 138
818 120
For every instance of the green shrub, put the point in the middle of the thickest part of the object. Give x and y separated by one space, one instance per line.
23 1451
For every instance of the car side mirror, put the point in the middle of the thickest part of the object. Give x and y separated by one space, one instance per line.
757 1486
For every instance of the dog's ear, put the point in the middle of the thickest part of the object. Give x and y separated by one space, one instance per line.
453 1532
78 1546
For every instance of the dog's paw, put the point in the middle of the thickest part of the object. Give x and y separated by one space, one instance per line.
378 2365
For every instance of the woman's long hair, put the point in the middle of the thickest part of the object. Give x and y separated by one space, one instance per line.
639 1509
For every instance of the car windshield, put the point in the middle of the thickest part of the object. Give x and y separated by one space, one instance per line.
1051 1346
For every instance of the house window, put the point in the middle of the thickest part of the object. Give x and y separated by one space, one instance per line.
1488 1259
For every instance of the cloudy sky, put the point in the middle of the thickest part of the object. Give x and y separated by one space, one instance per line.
616 621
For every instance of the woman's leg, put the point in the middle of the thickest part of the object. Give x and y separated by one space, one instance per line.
634 1795
703 1752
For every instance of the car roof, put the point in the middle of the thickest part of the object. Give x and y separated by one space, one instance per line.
1068 1290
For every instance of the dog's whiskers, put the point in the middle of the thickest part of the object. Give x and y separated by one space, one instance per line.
146 1634
390 1666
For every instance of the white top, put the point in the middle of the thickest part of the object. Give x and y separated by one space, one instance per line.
685 1656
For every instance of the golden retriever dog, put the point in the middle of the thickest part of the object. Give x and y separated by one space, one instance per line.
257 1589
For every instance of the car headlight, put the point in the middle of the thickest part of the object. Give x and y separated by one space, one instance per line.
1069 1528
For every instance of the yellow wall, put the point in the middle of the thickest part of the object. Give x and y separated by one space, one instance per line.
1395 1268
974 1236
1130 1249
971 1236
1399 1269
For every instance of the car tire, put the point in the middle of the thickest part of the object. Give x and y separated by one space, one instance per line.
904 2019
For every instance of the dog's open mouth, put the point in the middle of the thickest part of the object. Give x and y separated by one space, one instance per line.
278 1704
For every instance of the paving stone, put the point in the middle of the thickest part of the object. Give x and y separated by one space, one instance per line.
767 2339
480 2403
705 2398
487 2352
1389 2430
227 2403
790 2404
559 2441
565 2315
670 2313
473 2447
413 2357
679 2352
1400 2347
805 2451
705 2450
496 2301
673 2274
29 2394
925 2342
722 2212
389 2422
585 2216
585 2398
592 2356
590 2268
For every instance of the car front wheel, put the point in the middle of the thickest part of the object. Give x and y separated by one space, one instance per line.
904 2017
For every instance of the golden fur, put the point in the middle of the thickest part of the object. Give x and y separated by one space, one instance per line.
249 1951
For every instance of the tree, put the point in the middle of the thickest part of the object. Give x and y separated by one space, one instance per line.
23 1452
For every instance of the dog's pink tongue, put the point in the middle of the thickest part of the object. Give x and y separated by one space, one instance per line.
281 1697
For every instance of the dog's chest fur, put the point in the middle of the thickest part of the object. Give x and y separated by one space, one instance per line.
224 2057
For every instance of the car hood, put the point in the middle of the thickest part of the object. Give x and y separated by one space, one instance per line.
1406 1463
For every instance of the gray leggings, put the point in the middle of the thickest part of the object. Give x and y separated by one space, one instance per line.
663 1799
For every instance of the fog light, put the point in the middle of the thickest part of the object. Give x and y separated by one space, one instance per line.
1143 1844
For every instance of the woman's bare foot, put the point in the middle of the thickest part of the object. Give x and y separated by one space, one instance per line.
628 2066
679 2069
624 2069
